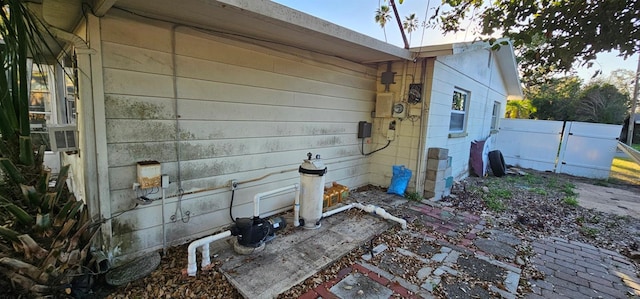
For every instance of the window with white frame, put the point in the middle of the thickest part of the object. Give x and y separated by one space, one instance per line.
51 103
459 106
495 115
42 109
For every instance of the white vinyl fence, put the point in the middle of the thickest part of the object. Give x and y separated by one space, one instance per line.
575 148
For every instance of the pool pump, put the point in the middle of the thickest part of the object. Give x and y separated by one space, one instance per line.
252 233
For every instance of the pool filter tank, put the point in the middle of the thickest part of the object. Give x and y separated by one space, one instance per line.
312 181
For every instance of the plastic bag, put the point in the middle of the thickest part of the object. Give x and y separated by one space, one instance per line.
399 180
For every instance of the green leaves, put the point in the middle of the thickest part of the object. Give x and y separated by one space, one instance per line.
10 169
49 229
549 36
20 214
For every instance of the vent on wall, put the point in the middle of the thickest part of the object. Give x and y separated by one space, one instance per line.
63 138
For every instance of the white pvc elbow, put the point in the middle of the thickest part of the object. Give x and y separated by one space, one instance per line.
192 267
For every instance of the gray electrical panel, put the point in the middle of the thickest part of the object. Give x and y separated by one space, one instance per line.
364 129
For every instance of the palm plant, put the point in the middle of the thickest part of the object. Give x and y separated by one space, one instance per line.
383 15
44 232
410 24
519 109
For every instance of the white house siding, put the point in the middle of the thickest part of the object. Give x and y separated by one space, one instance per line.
244 111
476 73
472 71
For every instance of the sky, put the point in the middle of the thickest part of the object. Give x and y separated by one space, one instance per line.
358 15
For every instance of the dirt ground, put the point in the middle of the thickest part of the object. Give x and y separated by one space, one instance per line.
534 205
601 213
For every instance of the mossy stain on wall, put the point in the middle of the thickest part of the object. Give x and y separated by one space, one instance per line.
119 107
122 234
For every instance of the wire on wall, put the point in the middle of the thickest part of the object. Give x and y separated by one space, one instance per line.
375 151
184 216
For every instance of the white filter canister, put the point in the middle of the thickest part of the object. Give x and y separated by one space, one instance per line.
312 182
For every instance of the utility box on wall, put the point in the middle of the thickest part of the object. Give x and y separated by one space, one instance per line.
364 129
384 104
149 174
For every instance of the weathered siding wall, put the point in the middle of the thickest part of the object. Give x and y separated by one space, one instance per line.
243 111
404 148
474 72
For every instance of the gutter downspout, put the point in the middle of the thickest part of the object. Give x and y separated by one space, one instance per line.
422 139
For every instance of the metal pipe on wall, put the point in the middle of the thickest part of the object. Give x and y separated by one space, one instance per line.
175 98
422 139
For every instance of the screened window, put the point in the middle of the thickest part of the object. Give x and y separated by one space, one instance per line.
459 108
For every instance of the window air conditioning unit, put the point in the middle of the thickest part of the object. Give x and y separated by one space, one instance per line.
63 138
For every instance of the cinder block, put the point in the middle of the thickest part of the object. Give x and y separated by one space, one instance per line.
433 164
448 182
437 153
436 175
433 195
430 185
448 172
429 194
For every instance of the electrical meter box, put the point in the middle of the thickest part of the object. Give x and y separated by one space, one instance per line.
364 129
149 174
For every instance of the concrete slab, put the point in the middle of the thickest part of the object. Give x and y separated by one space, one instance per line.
464 290
481 269
504 237
357 285
496 248
608 200
291 258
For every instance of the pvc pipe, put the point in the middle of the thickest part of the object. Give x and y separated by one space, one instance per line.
192 267
336 211
164 228
296 209
380 211
257 197
369 209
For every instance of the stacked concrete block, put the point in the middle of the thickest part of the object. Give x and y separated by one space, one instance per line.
439 177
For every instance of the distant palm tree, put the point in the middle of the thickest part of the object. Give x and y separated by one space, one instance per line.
519 109
383 15
410 24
